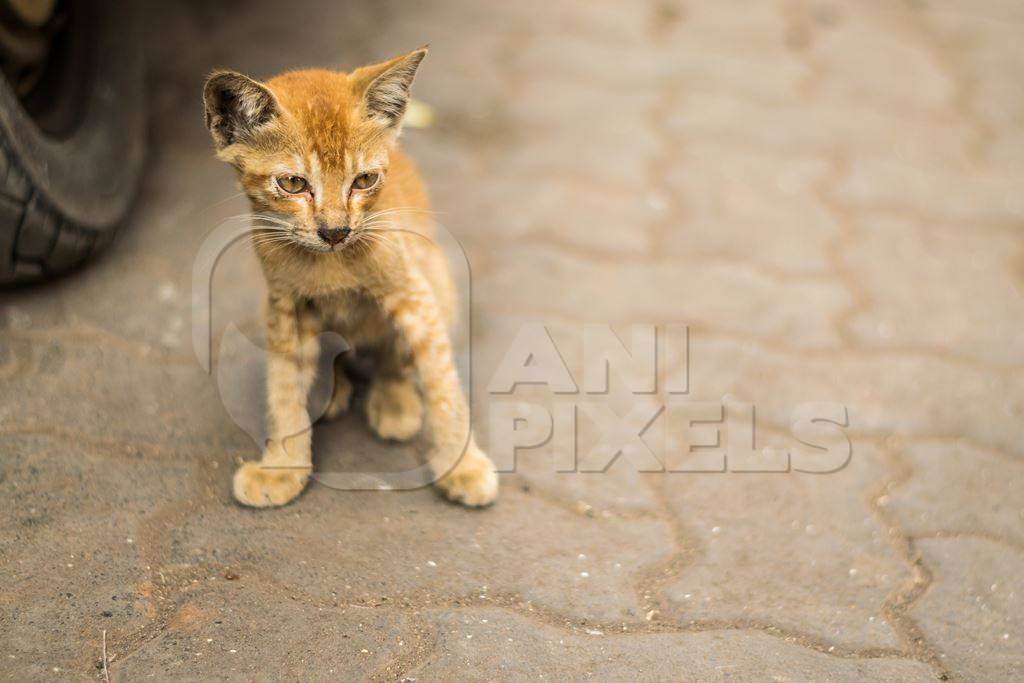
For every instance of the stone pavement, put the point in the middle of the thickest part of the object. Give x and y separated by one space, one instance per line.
829 194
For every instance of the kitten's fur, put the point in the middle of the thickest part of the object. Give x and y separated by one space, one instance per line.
382 288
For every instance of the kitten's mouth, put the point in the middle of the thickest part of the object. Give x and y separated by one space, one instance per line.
337 246
321 246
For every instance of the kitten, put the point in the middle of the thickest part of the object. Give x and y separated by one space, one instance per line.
316 154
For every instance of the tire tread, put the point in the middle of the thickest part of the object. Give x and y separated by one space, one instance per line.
36 241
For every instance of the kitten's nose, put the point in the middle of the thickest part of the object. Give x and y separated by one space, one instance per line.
333 235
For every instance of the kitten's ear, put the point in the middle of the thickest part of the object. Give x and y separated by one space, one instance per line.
236 106
385 86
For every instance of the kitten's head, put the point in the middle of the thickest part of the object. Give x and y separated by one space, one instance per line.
311 147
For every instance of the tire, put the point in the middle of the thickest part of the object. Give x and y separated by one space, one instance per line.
69 171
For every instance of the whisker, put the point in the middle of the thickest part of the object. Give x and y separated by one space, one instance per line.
257 216
375 226
271 227
223 201
370 238
272 241
398 210
410 209
275 248
411 232
271 236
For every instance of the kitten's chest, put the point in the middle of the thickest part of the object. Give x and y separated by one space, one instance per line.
356 316
316 278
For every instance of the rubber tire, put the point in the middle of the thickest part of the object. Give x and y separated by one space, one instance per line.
61 199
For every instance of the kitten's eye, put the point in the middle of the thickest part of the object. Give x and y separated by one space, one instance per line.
292 184
364 181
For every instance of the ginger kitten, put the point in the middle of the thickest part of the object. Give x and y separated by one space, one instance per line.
341 218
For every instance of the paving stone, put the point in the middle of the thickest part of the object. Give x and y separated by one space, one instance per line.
985 499
738 299
490 644
983 57
120 398
77 536
726 194
948 293
818 565
962 192
580 567
899 55
215 629
913 394
971 612
609 220
736 50
826 128
573 55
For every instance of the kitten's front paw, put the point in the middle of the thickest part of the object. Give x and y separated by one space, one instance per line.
394 409
473 482
260 487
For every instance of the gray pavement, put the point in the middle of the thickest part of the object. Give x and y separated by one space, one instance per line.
828 194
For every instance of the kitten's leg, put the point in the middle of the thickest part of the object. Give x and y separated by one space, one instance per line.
341 395
283 471
465 474
308 325
393 407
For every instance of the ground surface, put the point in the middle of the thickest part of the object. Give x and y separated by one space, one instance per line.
828 194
